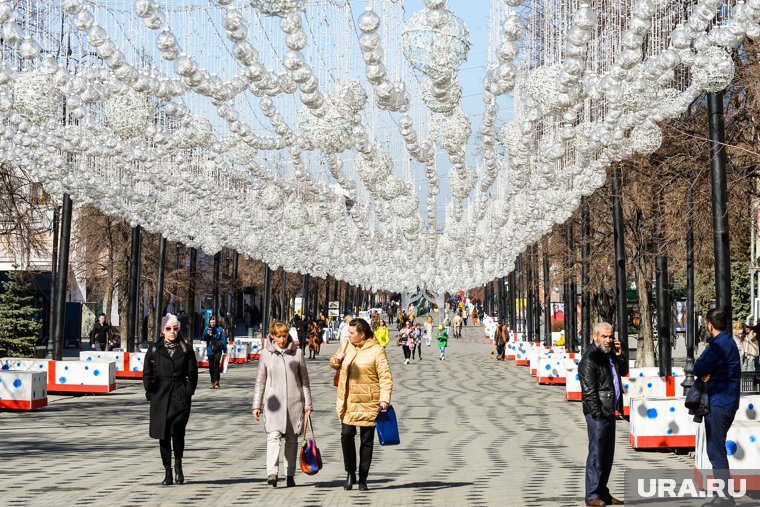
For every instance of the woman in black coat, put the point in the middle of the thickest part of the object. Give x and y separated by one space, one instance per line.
170 376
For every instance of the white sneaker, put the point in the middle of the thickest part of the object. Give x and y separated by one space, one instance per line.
406 362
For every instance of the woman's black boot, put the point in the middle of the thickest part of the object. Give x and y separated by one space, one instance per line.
179 477
350 480
168 480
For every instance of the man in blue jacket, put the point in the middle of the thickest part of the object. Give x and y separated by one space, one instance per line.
719 366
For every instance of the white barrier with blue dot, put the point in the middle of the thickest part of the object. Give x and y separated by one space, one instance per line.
23 390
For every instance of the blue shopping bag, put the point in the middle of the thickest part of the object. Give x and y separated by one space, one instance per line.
387 427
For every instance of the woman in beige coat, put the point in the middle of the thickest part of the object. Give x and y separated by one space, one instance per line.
364 389
283 392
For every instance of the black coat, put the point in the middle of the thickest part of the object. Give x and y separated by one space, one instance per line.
100 333
169 383
597 388
698 400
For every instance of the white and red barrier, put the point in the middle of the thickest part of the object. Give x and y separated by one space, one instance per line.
255 344
536 356
646 387
238 352
661 422
81 376
23 390
743 451
553 370
69 376
127 364
572 381
652 371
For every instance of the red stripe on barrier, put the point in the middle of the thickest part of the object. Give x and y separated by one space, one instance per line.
129 374
670 386
63 388
522 362
574 396
659 441
552 380
23 404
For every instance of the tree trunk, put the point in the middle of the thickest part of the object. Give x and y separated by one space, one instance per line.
645 343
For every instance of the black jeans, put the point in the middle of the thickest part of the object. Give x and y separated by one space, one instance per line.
366 443
407 351
174 437
601 453
214 366
717 423
418 349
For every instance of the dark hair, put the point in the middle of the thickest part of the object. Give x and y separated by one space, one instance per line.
102 315
717 318
362 327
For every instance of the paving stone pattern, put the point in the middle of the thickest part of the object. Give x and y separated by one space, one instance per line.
474 432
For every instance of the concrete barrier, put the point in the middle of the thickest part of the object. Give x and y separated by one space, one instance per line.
255 344
572 381
127 364
238 352
552 370
661 422
743 450
68 376
23 390
646 387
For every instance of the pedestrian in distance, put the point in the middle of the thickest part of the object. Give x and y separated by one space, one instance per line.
418 337
748 350
343 330
283 395
170 376
302 331
101 336
360 400
443 340
216 346
719 366
600 369
406 341
315 339
500 338
382 334
458 324
428 330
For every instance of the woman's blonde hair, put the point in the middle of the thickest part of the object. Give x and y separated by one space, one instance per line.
278 328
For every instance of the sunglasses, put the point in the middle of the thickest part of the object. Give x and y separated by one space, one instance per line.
171 328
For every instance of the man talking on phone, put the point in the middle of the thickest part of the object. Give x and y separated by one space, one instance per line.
600 369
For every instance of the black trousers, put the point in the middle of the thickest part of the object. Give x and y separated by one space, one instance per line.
366 443
215 366
717 423
601 453
417 348
174 437
407 351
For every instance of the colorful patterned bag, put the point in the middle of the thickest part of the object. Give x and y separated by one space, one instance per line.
311 458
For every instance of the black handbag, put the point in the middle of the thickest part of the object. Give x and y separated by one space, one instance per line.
217 347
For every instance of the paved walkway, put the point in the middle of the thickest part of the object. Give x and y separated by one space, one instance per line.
474 432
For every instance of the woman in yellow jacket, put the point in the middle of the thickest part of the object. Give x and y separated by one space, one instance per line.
364 389
381 334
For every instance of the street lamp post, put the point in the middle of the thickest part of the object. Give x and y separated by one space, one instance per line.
718 162
193 272
159 298
620 276
690 313
547 296
134 289
585 293
61 280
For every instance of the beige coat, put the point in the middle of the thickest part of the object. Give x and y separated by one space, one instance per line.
365 381
282 388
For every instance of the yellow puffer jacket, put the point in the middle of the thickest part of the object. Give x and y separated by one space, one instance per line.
365 381
381 335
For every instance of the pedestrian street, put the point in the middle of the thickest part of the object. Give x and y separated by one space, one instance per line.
474 432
